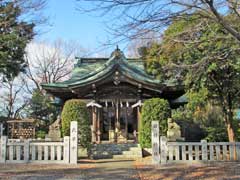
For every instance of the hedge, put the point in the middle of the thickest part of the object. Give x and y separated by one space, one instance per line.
76 110
154 109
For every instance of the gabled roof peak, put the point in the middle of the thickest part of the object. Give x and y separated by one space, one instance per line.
117 53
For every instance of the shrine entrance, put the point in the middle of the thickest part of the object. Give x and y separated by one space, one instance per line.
115 121
119 121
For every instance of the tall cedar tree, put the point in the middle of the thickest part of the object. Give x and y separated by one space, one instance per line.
14 36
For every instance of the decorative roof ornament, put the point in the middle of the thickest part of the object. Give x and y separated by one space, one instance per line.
117 53
116 78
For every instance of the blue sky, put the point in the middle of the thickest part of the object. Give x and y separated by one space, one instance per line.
67 23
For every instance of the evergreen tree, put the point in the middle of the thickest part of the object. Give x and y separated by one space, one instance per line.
41 107
14 36
203 57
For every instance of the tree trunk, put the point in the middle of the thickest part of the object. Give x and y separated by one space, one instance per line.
231 134
228 118
229 123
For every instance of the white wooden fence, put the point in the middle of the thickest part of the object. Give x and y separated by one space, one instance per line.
192 151
27 151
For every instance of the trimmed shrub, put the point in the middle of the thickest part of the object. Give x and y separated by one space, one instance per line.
76 110
154 109
41 134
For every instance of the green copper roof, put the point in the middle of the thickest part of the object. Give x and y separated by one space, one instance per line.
91 70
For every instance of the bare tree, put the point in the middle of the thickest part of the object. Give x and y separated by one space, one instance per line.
135 46
13 99
47 63
50 63
134 18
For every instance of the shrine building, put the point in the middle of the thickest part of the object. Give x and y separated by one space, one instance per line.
114 89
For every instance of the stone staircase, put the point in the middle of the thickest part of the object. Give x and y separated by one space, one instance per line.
116 151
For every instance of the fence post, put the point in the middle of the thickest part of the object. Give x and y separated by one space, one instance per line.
73 142
3 149
26 150
155 142
204 150
163 148
1 129
66 152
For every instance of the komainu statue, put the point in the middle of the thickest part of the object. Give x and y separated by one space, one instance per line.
54 132
174 131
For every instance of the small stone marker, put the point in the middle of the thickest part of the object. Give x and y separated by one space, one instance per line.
73 142
66 150
155 142
163 142
204 150
3 149
26 150
1 129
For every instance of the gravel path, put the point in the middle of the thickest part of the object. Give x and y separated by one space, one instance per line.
85 170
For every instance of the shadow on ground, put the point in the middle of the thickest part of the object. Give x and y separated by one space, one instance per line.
85 170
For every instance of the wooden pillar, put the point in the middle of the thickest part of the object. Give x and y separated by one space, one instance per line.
94 124
98 126
138 121
126 123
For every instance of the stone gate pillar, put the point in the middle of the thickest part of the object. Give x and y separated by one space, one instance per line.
73 142
155 142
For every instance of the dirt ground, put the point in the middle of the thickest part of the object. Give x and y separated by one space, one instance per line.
216 171
85 170
120 169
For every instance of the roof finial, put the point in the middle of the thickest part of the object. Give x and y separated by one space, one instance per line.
117 53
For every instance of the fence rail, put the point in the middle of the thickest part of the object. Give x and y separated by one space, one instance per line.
34 152
219 151
165 152
28 151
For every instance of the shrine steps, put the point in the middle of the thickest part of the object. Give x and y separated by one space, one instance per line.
116 151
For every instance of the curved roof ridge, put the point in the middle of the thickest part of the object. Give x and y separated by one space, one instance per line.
116 60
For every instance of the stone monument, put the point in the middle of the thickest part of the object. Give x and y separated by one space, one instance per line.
174 131
54 132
